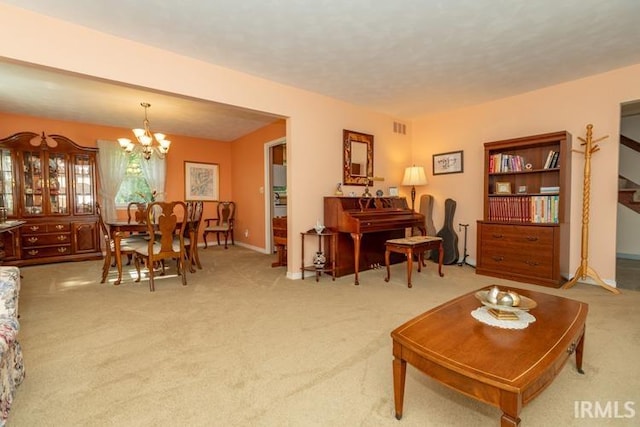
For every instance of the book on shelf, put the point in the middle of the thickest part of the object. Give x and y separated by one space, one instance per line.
548 160
552 160
532 209
501 162
550 189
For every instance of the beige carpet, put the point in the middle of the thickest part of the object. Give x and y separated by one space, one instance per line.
241 345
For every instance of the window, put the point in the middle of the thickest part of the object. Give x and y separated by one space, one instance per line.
134 186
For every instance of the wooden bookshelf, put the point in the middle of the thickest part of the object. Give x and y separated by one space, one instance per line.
524 232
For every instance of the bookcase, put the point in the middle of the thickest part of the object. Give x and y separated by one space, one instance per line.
524 232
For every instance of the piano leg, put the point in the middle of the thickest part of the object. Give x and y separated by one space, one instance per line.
356 246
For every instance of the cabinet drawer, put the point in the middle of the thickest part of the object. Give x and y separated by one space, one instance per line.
46 252
59 227
536 264
517 235
46 239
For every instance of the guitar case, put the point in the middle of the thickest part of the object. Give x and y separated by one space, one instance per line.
449 236
426 209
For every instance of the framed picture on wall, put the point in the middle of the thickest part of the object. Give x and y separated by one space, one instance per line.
451 162
201 181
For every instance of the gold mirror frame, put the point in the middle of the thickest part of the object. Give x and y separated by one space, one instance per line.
353 155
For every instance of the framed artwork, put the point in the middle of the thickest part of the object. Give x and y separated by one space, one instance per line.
393 191
522 189
503 188
201 181
451 162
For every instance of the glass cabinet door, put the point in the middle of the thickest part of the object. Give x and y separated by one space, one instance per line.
6 182
33 181
83 180
58 186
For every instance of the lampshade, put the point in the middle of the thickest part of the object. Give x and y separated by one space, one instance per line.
414 175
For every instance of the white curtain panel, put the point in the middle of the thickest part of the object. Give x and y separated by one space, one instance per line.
112 166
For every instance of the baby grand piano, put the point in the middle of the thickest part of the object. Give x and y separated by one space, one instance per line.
364 224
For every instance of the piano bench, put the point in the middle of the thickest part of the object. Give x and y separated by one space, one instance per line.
413 245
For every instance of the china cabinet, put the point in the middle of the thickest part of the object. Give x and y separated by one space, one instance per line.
49 182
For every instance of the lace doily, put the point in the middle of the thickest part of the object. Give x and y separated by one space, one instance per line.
482 314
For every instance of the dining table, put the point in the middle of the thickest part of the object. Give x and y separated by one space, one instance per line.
118 228
122 228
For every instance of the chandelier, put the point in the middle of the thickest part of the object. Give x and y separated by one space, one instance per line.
146 138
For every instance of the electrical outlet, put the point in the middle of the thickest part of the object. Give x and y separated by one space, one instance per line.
246 233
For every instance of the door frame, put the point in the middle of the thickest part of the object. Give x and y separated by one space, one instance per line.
268 192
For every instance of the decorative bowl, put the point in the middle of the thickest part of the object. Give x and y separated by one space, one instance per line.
526 304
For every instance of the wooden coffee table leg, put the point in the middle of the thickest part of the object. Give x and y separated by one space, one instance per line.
399 375
511 404
579 349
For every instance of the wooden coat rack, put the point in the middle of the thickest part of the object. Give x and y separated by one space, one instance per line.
584 270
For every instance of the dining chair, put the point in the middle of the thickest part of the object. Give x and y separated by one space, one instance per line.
127 246
166 227
194 218
136 212
222 224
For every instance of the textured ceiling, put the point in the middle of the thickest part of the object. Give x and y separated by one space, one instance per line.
404 58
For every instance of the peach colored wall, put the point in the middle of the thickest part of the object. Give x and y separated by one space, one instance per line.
314 125
247 177
569 106
182 149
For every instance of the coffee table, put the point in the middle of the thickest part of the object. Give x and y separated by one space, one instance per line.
506 368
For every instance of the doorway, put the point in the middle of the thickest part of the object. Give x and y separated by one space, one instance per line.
276 186
628 211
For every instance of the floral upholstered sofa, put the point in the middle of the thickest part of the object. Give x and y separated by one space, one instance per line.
11 364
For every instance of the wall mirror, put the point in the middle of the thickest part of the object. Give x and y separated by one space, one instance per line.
357 152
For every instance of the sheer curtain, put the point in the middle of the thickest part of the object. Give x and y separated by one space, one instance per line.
154 171
112 166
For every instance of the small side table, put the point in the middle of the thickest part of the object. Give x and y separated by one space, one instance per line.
409 246
327 240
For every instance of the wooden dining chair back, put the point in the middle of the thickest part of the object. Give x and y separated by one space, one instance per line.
194 219
136 212
124 245
222 224
165 226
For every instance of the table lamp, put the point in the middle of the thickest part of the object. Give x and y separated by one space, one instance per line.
413 176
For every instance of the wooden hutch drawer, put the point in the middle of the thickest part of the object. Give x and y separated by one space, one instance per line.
46 251
58 227
46 239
